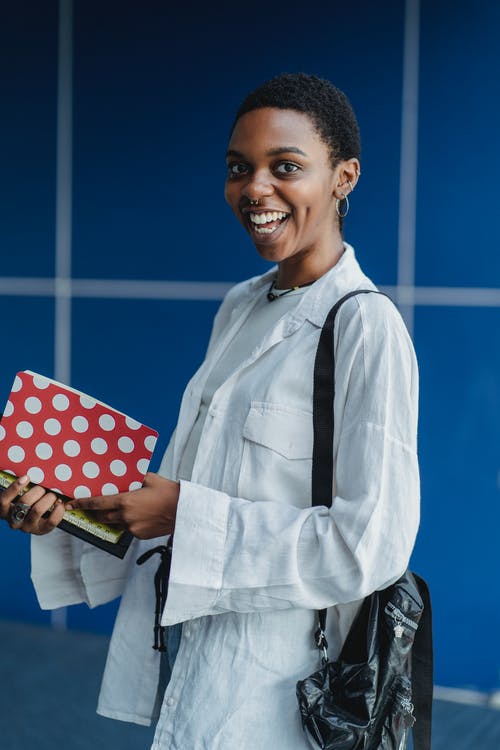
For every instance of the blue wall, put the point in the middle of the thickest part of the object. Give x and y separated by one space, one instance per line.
155 89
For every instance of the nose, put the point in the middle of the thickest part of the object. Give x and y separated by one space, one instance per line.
259 185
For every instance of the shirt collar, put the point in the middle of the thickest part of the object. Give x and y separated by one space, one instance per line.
345 276
318 299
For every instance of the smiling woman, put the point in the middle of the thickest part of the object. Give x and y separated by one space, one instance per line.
247 557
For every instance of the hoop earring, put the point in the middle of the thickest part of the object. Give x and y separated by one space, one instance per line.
342 214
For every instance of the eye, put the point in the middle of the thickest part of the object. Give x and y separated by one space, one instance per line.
236 168
287 167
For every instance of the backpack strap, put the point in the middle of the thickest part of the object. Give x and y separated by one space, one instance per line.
422 666
322 482
323 397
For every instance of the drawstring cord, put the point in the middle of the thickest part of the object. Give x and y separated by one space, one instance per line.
161 589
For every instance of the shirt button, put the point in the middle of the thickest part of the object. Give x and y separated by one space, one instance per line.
170 702
186 632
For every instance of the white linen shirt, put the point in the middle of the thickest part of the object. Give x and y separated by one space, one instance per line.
252 561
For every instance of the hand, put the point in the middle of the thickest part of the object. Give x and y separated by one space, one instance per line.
147 513
46 510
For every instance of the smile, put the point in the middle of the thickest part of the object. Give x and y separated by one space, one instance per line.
266 222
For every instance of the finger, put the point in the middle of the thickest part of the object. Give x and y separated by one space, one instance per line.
113 517
41 506
30 498
9 493
107 502
50 520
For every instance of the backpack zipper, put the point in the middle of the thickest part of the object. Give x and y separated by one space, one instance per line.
400 619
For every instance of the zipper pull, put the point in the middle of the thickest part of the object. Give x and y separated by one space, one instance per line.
398 628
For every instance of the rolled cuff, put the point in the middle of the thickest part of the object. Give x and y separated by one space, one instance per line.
197 554
56 579
65 570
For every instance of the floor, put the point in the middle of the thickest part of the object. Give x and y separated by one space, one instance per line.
50 681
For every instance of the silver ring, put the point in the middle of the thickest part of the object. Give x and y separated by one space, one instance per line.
19 511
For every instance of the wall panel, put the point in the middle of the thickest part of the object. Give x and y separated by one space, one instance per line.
459 450
28 76
457 221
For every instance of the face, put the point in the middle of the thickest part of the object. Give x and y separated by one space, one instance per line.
276 156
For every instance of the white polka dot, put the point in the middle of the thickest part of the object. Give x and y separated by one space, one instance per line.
44 451
33 405
109 489
107 422
63 472
126 445
52 426
40 382
17 384
99 446
36 475
2 432
132 423
82 491
16 453
150 442
79 424
87 402
60 402
142 465
134 486
71 448
118 468
90 469
9 409
24 429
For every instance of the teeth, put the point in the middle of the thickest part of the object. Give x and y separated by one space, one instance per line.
265 230
264 218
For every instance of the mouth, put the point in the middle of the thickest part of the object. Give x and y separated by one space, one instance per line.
266 223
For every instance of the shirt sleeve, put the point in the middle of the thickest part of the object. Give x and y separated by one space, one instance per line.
232 554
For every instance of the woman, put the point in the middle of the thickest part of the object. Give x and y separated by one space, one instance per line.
251 560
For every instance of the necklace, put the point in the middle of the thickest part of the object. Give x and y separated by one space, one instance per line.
272 295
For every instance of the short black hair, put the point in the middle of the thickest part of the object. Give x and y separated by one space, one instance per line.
328 107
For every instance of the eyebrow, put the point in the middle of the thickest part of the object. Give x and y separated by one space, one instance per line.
271 152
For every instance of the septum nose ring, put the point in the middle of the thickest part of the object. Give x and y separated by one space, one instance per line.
254 203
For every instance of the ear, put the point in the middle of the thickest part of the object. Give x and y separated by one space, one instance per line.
347 173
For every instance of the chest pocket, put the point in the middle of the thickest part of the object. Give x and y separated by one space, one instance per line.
277 455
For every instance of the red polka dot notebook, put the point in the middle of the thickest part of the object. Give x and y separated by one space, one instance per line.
73 444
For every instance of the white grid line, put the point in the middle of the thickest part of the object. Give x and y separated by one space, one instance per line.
62 350
408 163
424 296
64 184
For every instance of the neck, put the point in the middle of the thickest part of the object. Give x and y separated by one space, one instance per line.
299 271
